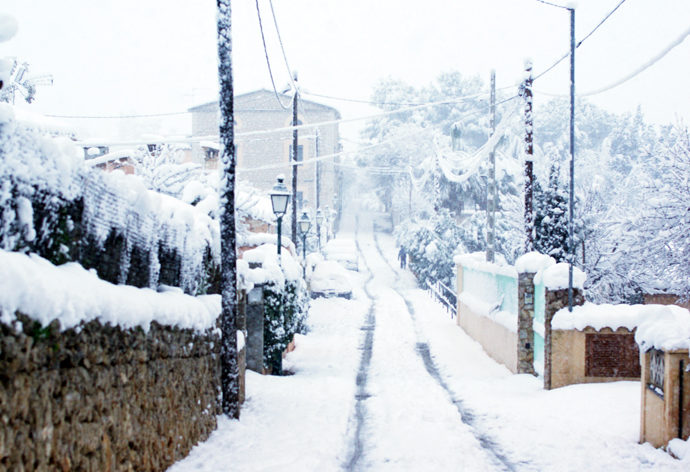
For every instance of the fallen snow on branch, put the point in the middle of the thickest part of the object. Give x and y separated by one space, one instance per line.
72 295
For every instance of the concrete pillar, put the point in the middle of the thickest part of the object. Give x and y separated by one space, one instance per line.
554 301
255 329
525 329
665 409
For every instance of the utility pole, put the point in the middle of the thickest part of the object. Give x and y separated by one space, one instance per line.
295 121
571 228
228 349
529 151
317 170
317 188
491 190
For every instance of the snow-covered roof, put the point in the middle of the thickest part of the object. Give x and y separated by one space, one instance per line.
111 156
262 100
664 327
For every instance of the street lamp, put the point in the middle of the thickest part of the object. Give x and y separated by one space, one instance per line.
319 221
280 196
304 224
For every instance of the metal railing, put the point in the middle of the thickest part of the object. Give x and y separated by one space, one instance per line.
444 295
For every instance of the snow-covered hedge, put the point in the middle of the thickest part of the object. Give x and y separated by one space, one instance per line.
285 298
51 204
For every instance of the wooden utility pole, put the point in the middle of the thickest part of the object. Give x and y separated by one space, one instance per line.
491 189
529 151
228 348
295 148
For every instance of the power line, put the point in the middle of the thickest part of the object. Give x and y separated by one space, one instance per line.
676 42
608 15
643 67
365 148
282 48
356 100
553 4
366 117
115 117
268 62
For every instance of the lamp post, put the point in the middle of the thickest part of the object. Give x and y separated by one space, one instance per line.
304 224
327 221
280 196
319 221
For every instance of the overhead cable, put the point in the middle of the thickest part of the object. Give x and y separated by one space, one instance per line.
282 48
268 62
676 42
608 15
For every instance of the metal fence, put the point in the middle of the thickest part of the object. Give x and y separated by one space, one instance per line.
444 295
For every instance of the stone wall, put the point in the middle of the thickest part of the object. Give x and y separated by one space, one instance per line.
103 398
525 345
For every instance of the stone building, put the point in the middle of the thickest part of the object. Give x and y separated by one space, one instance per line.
318 182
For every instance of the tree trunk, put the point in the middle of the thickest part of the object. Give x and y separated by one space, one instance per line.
228 353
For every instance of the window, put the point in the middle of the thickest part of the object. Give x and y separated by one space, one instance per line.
298 200
300 152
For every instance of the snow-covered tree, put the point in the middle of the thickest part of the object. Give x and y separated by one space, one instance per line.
161 169
551 216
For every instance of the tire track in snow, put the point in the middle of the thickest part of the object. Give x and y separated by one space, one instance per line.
362 373
422 347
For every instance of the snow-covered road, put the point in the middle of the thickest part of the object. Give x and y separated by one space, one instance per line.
407 419
387 381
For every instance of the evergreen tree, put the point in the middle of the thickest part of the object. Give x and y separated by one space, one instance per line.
551 217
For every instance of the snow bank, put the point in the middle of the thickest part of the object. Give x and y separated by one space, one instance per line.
477 261
680 449
72 295
533 262
555 277
490 310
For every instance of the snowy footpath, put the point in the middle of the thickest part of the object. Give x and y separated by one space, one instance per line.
387 381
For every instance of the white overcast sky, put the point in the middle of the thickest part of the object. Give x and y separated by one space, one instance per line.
147 56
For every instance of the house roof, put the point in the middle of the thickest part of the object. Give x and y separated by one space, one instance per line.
264 100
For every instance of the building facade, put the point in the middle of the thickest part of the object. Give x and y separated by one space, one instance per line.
260 158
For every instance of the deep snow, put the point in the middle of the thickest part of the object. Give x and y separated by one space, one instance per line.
433 400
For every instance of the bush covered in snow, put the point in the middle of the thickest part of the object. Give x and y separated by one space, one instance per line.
285 298
52 205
